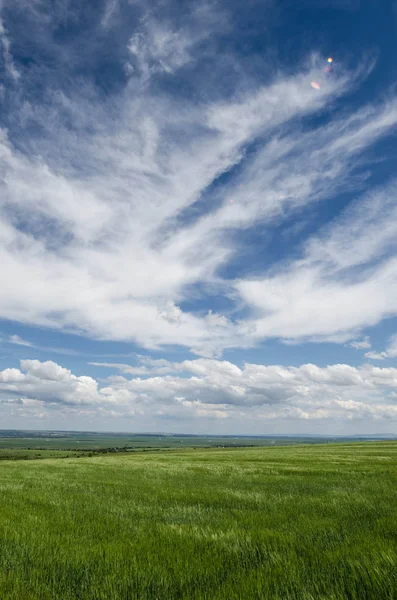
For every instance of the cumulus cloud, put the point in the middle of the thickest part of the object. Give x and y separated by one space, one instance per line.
205 388
48 383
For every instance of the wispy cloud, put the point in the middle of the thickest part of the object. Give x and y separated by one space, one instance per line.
160 46
15 339
390 352
344 281
376 355
151 192
5 46
362 344
159 49
122 209
18 341
111 8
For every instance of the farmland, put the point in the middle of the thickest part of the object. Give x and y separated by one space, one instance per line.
305 522
94 441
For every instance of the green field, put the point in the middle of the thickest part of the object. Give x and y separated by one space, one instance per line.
24 454
94 441
305 522
41 440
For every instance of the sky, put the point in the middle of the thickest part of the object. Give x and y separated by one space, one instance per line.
198 216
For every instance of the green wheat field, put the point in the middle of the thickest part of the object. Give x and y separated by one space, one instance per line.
310 522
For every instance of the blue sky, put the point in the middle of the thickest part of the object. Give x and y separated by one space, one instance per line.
198 216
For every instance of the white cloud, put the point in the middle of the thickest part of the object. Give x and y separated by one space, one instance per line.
94 232
48 383
345 280
376 355
18 341
392 346
161 47
390 352
5 46
45 370
149 367
145 179
111 8
362 344
11 376
212 389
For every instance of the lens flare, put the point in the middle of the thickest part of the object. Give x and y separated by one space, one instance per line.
330 60
315 85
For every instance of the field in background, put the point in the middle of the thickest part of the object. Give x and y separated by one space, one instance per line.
93 442
278 523
25 454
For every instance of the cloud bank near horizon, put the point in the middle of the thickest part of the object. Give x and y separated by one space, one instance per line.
203 389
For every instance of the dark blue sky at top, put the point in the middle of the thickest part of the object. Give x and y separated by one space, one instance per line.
72 49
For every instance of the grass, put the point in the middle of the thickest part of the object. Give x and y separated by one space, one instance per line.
308 523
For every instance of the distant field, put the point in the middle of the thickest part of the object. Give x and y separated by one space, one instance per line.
100 441
88 442
39 444
23 454
305 523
